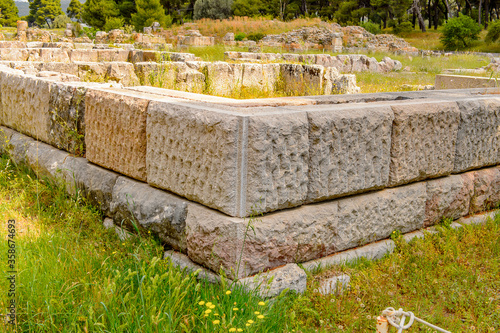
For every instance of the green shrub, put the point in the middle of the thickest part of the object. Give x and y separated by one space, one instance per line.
256 36
60 21
239 37
403 28
493 32
460 32
214 9
371 27
113 23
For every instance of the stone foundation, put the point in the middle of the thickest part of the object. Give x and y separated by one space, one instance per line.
271 181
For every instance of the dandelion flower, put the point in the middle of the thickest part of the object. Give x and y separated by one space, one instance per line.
114 252
228 292
235 309
201 303
208 304
240 330
362 305
232 329
212 306
260 316
247 324
216 322
262 303
205 316
250 321
216 314
208 311
257 312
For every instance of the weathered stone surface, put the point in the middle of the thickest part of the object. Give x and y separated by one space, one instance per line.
349 150
334 285
53 55
369 217
306 233
67 117
273 283
45 160
122 72
423 141
479 219
116 131
444 81
61 67
183 262
112 55
16 54
18 146
85 55
277 162
194 152
138 205
478 138
448 197
5 135
486 190
25 104
223 78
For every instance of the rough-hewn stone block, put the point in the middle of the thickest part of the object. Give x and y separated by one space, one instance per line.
116 131
423 140
302 79
194 152
25 104
478 139
53 55
486 190
448 197
302 234
112 55
150 209
83 55
16 54
349 150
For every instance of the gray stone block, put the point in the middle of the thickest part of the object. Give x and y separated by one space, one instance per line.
448 197
349 150
137 205
182 261
5 136
423 141
274 282
486 190
334 285
478 138
195 153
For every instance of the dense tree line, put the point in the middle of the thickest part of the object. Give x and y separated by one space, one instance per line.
106 14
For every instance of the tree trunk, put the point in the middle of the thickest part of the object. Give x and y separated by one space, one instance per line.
436 14
429 13
479 12
486 13
413 18
447 5
416 8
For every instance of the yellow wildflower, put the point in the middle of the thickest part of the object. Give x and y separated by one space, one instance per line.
260 316
235 309
232 329
212 306
262 303
240 330
228 292
208 311
208 304
250 321
216 322
201 303
257 312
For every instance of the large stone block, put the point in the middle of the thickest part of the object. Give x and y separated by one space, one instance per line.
302 79
349 150
138 205
14 54
122 72
478 138
116 131
223 78
83 55
67 117
25 104
244 247
448 197
486 190
53 55
423 140
195 152
112 55
277 159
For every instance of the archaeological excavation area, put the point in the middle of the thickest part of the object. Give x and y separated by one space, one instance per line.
245 186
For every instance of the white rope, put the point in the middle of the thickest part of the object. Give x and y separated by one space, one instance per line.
391 315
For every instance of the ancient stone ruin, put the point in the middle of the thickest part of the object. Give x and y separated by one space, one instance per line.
312 175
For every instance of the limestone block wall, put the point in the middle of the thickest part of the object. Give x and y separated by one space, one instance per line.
327 173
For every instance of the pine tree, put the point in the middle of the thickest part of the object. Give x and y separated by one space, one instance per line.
97 12
8 15
148 11
43 10
74 10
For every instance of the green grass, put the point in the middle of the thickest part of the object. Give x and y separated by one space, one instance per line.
75 276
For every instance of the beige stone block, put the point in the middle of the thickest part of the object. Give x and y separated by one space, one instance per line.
444 81
349 150
53 55
112 55
222 78
116 131
448 197
14 54
25 104
478 139
84 55
486 190
194 152
122 72
302 79
423 140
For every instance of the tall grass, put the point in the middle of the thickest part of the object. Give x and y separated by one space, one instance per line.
76 276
